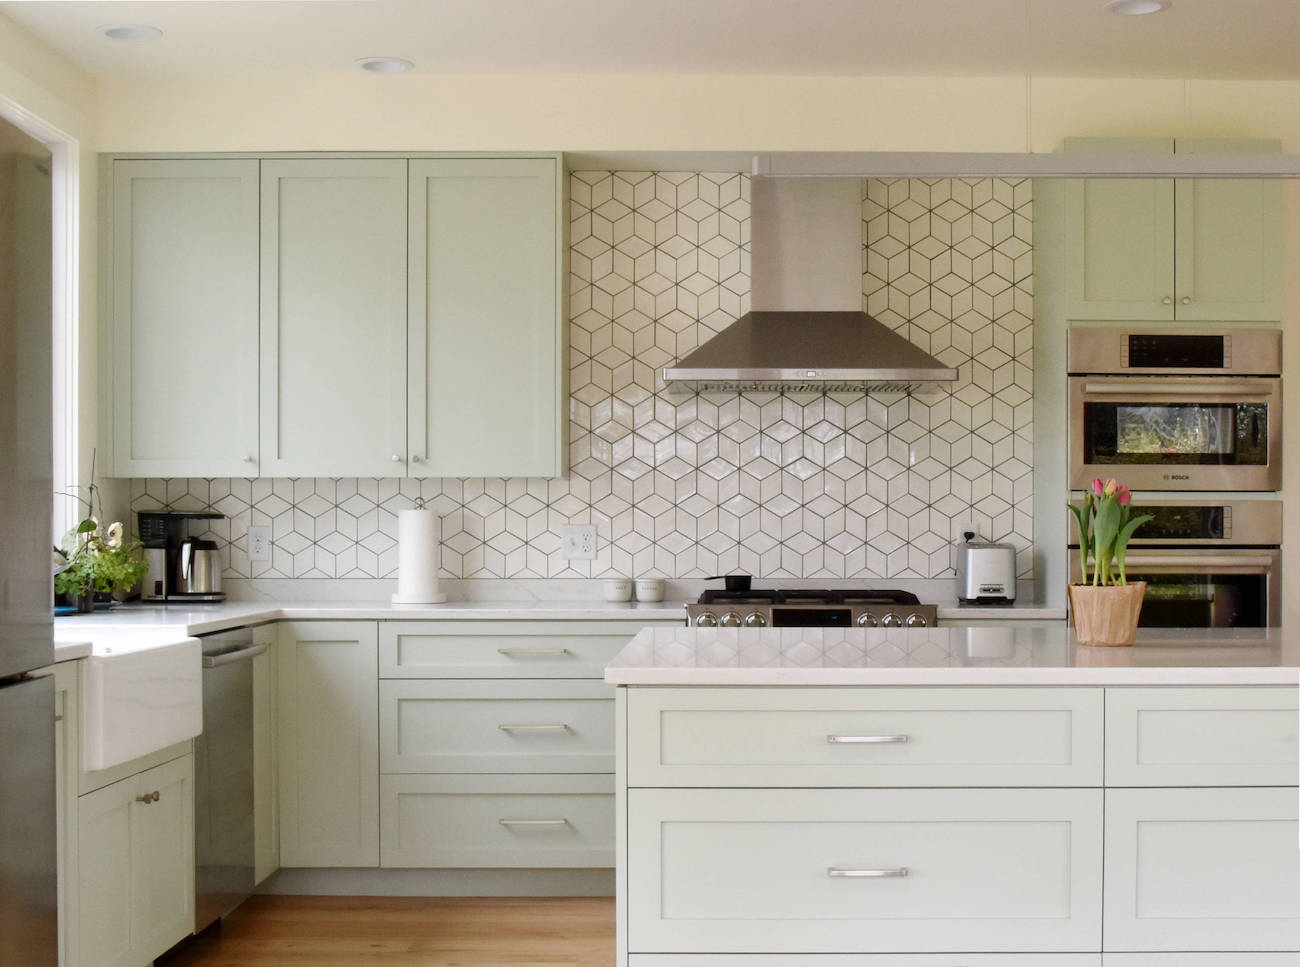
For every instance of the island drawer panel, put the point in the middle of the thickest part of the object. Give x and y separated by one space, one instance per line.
865 960
1215 736
781 737
503 649
1202 869
496 726
497 821
746 871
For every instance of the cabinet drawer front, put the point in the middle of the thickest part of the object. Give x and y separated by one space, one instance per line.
1202 869
752 870
496 726
865 960
1221 736
501 649
498 821
882 737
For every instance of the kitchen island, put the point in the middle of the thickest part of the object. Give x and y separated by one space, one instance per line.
979 796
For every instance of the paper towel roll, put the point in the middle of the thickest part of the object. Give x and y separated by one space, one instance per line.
417 558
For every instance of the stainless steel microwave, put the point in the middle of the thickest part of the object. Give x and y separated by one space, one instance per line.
1194 410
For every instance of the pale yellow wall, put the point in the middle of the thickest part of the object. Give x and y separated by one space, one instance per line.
37 80
688 113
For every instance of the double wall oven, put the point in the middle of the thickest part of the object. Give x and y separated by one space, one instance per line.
1173 412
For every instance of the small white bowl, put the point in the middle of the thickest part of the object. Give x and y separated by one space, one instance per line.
617 589
649 589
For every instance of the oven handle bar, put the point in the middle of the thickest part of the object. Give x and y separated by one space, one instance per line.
1199 562
1159 387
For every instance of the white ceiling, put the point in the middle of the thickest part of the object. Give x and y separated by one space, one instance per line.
1194 38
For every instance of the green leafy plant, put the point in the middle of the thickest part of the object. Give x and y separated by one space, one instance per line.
1105 526
95 558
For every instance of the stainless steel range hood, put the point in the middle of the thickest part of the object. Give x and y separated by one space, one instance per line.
807 330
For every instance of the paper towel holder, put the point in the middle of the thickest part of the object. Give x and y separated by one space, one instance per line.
419 539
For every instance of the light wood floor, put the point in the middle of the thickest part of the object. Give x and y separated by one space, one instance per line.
297 931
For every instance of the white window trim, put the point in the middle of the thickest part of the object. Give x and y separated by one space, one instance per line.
65 265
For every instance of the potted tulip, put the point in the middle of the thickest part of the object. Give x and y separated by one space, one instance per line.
1104 605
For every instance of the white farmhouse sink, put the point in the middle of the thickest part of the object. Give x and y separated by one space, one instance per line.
140 692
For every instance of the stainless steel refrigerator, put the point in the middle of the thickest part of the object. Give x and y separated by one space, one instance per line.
28 886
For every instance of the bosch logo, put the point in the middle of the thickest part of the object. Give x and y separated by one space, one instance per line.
1177 476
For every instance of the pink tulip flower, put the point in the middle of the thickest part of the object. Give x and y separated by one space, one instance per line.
1097 486
1123 496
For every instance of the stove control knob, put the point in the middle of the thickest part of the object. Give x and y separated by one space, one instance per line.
731 620
868 620
755 620
916 620
706 620
891 620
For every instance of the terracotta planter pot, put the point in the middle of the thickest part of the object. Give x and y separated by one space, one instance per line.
1106 615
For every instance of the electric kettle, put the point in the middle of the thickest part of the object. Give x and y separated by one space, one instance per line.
198 568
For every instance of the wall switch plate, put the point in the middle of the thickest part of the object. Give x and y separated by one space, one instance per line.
578 542
259 542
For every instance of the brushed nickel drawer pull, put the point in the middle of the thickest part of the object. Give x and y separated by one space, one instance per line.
533 822
514 652
865 739
534 728
836 871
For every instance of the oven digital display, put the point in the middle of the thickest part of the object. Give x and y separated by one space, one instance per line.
811 617
1182 523
1149 351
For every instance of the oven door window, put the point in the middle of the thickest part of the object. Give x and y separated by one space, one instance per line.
1173 434
1204 600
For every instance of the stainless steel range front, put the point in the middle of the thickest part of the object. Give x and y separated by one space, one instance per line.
802 608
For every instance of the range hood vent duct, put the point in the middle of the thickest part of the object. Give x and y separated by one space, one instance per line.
807 331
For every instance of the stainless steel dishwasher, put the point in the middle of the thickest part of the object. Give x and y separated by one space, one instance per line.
223 777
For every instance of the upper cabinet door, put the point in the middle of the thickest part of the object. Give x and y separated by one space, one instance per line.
1120 238
485 318
184 318
333 318
1229 247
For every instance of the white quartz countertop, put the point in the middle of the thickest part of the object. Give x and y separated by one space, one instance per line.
202 619
79 645
1006 655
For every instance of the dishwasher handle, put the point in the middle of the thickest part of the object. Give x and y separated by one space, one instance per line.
230 657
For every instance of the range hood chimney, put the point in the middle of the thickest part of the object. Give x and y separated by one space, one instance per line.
806 330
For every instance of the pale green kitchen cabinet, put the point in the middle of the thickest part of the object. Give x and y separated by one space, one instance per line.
1161 249
327 687
485 335
333 317
183 297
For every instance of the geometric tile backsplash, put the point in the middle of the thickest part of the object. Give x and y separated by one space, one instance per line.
843 485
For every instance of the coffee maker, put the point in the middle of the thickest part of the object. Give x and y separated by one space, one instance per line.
181 567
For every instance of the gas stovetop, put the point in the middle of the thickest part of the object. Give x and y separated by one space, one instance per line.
809 608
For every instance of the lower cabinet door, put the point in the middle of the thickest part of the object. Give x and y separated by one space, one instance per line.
1202 869
135 844
497 821
864 871
162 857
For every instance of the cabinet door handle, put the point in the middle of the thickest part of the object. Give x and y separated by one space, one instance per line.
534 728
533 822
866 739
248 458
1187 300
397 458
1167 301
515 652
148 797
840 872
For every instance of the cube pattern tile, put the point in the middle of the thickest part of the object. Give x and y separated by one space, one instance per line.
780 486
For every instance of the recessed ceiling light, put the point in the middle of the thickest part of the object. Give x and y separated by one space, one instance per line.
384 65
1137 8
129 32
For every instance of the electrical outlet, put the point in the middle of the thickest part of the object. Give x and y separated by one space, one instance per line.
259 542
578 542
961 528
